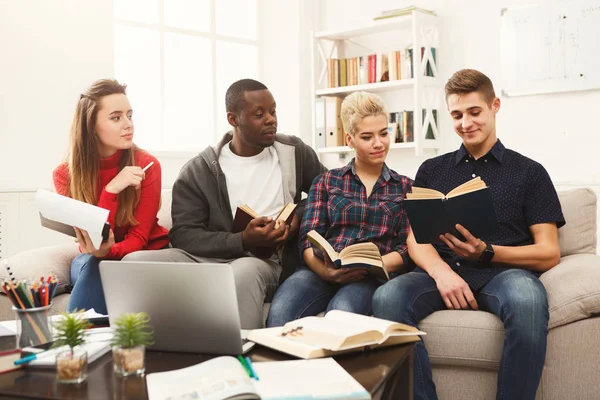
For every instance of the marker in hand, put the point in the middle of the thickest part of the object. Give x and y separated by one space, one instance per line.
148 166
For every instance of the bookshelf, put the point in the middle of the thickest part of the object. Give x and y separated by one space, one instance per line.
419 90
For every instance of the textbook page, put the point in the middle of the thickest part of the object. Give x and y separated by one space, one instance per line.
371 323
72 212
215 379
315 379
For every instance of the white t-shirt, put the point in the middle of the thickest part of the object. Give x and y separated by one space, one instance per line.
256 181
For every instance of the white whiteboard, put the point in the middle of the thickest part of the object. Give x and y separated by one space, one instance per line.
554 47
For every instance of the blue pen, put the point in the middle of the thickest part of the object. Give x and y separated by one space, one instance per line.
33 357
249 363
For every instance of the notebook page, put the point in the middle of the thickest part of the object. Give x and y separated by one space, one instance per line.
216 379
322 378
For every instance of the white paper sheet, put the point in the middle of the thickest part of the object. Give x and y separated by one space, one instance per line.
72 212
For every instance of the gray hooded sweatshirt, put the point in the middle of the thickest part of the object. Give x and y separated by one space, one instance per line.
201 212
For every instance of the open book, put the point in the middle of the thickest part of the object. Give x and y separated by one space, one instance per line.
224 378
337 332
244 214
361 255
431 213
62 214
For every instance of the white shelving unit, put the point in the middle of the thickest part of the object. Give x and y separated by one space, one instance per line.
416 30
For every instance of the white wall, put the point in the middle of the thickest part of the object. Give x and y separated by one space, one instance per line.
50 52
558 130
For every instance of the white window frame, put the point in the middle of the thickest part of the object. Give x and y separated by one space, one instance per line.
213 37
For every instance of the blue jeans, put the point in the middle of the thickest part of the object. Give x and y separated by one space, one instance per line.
87 287
516 296
304 294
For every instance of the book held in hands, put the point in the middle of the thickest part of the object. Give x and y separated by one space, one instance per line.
244 214
431 213
63 214
358 255
337 332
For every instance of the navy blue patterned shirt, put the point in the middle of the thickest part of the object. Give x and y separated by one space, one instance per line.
522 193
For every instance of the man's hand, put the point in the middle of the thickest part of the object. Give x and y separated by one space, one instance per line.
454 290
471 249
85 243
261 232
340 275
129 176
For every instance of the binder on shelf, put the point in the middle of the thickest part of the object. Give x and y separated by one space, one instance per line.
320 122
333 123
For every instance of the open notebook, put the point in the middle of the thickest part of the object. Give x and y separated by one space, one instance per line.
224 378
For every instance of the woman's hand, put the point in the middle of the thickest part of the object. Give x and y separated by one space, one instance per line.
129 176
85 243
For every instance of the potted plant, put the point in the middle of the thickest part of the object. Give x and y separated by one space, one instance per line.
132 333
71 364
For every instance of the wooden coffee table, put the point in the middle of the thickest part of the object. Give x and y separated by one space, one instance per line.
386 373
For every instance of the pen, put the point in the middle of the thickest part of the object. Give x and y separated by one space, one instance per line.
148 166
246 368
249 363
32 357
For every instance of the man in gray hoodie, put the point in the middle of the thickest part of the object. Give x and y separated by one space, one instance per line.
251 165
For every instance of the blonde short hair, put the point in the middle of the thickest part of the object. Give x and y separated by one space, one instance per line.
359 105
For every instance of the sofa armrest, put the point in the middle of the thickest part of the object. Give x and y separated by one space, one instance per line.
573 288
33 264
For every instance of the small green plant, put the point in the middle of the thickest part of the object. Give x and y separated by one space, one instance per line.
70 330
132 330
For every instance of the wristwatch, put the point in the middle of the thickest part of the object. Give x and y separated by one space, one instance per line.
487 255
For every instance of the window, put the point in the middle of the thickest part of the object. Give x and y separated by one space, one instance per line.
178 57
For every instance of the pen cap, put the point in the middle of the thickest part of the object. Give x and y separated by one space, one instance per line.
33 327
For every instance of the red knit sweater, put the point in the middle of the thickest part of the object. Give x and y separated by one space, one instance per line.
147 234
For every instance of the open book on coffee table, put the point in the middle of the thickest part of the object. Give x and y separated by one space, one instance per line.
337 332
431 213
358 255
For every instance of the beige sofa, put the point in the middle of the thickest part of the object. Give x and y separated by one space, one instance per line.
465 346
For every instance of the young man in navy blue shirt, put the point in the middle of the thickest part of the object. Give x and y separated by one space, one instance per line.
499 273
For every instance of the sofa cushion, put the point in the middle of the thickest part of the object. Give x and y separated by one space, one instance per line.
33 264
573 288
466 338
164 214
578 235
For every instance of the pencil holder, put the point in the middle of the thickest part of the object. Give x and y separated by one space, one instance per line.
32 326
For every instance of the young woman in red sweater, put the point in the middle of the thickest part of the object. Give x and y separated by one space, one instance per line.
104 168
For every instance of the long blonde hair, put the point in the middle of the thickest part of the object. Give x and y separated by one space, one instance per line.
84 156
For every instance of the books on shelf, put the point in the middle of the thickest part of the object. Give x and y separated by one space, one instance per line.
379 67
62 214
358 255
337 332
224 378
398 12
431 213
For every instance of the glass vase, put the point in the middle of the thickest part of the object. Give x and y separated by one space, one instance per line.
71 366
129 361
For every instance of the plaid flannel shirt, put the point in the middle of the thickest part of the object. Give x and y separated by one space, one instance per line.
339 209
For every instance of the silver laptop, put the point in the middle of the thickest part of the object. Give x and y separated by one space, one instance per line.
192 307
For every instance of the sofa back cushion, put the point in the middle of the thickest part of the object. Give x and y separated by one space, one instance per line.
578 235
164 214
